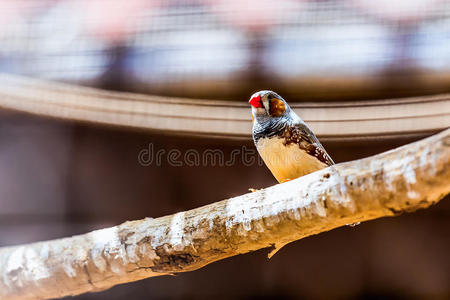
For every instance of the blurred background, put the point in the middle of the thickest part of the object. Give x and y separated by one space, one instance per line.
204 48
60 177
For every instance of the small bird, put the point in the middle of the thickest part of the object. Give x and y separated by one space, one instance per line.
286 144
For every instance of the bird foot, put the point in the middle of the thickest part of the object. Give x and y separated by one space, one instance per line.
252 190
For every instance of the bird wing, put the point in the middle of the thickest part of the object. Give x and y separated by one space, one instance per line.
317 149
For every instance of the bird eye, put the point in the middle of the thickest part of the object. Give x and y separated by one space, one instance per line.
270 97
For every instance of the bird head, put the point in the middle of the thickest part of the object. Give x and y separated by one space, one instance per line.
268 104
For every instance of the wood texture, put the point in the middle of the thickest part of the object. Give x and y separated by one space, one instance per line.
357 120
402 180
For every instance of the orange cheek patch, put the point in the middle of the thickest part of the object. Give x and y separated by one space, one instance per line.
277 107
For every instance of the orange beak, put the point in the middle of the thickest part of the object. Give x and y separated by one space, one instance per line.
256 101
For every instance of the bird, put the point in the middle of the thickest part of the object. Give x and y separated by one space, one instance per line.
286 144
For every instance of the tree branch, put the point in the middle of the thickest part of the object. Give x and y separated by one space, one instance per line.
332 121
405 179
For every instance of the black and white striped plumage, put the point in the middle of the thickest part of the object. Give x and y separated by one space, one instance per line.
286 144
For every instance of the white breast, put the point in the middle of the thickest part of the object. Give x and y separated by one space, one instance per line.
287 162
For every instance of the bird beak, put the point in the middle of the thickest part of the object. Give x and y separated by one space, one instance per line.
256 101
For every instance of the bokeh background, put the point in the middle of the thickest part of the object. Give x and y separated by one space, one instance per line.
62 177
205 48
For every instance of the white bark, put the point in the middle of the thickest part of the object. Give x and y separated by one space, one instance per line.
405 179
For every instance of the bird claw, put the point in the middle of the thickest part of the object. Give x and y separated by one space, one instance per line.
252 190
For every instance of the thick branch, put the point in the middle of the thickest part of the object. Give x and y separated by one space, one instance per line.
408 178
338 121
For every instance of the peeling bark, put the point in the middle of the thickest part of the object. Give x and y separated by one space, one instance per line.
402 180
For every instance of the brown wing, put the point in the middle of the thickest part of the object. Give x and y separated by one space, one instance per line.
301 135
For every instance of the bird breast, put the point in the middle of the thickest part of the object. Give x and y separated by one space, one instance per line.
287 161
